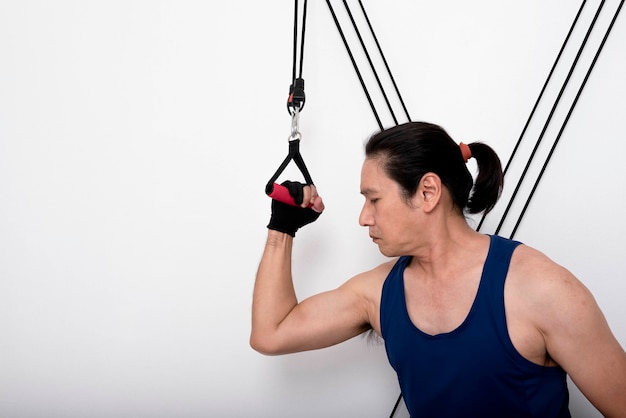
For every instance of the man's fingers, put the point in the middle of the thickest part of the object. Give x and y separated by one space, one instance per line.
318 205
310 195
313 199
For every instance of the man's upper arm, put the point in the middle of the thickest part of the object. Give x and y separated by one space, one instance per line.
578 338
334 316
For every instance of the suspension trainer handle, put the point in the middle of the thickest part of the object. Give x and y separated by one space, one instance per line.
295 103
279 192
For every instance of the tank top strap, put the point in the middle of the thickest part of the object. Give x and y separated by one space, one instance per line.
499 256
392 299
491 293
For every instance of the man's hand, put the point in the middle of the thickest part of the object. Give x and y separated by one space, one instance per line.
287 218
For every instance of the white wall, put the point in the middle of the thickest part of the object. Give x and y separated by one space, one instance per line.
136 138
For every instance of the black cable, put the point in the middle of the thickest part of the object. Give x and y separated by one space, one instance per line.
369 59
302 37
356 68
532 112
395 407
380 50
295 40
569 113
296 89
558 57
545 127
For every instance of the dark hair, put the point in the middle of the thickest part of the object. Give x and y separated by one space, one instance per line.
410 150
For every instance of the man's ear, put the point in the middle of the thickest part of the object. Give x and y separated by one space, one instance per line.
429 191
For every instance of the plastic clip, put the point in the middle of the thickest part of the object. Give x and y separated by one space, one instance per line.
296 96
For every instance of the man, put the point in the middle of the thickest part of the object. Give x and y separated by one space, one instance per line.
474 325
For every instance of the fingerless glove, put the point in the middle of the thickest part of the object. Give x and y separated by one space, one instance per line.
288 218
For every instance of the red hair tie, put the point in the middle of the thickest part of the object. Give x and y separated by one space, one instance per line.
465 151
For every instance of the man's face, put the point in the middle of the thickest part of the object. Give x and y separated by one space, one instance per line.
393 224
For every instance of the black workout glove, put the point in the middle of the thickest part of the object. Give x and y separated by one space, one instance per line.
288 218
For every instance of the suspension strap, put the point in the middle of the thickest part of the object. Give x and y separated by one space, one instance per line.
569 113
563 125
380 51
532 112
354 64
551 114
296 98
295 103
371 64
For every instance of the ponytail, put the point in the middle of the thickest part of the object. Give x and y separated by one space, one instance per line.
489 181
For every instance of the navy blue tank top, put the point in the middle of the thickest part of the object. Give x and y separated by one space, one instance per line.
474 370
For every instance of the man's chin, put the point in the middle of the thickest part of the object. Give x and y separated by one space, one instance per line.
387 252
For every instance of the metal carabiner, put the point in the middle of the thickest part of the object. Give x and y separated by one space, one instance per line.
295 125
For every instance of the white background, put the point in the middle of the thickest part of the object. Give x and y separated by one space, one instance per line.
136 138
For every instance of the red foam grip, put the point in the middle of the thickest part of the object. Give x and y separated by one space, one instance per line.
281 193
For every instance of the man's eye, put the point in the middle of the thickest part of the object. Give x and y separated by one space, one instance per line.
372 201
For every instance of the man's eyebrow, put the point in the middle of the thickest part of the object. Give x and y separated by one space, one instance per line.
368 190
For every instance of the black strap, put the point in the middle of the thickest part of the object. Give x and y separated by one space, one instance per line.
296 97
395 407
380 51
369 60
545 85
543 89
372 67
551 114
295 102
354 64
569 113
294 154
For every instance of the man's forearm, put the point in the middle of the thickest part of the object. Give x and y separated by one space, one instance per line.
274 295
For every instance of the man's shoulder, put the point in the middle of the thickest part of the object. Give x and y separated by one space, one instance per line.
374 277
369 284
535 275
534 264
